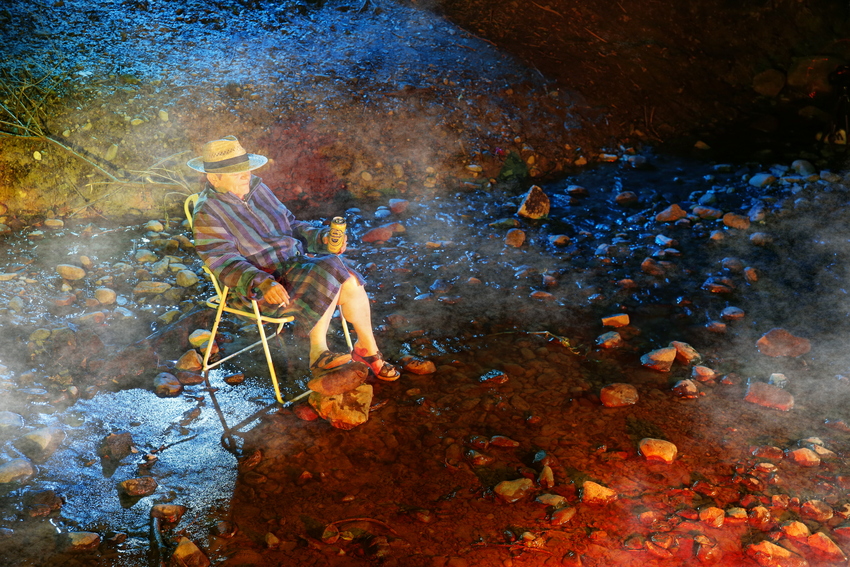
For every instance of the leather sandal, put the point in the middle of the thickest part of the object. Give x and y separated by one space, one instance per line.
385 371
328 360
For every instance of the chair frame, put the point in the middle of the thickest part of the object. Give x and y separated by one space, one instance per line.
219 303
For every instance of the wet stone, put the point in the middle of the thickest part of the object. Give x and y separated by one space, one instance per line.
671 214
594 493
804 457
344 411
515 238
41 443
535 204
186 278
736 221
707 213
512 491
190 360
618 395
817 510
10 421
80 542
17 471
166 385
608 340
141 486
779 342
151 287
702 373
168 513
769 396
686 389
105 296
188 554
657 450
70 273
339 380
143 256
116 446
660 359
823 543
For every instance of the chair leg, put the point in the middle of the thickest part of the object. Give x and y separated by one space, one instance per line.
210 343
266 350
345 330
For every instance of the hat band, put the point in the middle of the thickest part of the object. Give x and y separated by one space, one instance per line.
212 166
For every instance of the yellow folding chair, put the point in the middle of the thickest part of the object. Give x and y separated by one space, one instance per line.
219 303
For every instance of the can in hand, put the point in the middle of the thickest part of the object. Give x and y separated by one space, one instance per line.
336 235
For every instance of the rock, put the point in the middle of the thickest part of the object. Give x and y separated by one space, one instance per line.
826 546
116 446
144 256
187 554
686 389
733 220
627 199
554 500
199 337
611 339
344 411
186 278
168 513
41 443
803 167
512 491
70 273
594 493
153 226
769 554
769 396
778 379
151 287
651 267
140 486
546 479
382 233
9 422
562 515
707 213
761 180
535 204
732 314
339 380
515 237
419 367
671 214
618 320
398 206
779 342
796 530
105 296
769 83
618 395
559 240
659 359
702 373
190 360
17 471
804 457
80 542
817 510
761 238
657 450
167 385
502 441
712 516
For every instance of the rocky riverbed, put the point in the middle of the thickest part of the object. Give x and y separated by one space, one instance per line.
654 371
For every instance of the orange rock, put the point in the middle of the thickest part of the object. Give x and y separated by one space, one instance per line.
779 342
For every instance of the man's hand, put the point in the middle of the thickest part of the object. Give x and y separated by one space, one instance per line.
325 239
274 293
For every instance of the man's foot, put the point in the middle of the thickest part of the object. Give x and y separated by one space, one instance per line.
382 369
328 360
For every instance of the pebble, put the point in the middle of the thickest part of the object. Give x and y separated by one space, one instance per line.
515 237
762 179
151 287
512 491
595 493
41 443
659 359
140 486
779 342
166 385
189 554
618 320
535 204
657 450
70 273
80 542
17 471
618 395
672 213
611 339
105 296
767 395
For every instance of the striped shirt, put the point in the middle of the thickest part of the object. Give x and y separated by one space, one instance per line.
243 241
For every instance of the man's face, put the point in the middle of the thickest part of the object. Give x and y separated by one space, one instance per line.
237 183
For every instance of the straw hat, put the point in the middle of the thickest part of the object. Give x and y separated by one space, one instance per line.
226 156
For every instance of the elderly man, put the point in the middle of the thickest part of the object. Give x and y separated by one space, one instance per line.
254 245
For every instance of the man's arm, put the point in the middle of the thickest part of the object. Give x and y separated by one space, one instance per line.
216 245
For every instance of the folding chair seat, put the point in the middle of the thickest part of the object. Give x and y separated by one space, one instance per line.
220 304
